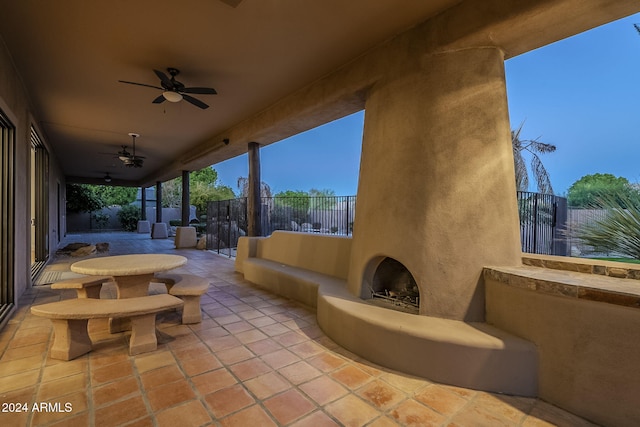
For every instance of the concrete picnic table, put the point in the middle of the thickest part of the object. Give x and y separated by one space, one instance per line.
132 273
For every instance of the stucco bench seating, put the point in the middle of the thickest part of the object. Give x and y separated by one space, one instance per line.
189 288
310 268
86 287
70 318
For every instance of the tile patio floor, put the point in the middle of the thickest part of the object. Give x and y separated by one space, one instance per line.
255 360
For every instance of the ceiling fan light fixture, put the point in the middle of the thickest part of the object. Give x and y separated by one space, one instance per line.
172 96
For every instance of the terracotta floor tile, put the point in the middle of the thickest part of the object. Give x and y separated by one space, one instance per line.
299 372
274 329
290 338
62 386
473 414
65 369
111 372
194 349
251 314
121 412
234 355
213 381
80 420
216 332
222 343
252 335
170 394
101 359
252 416
154 360
115 390
351 411
405 383
249 369
289 406
280 358
228 400
412 413
67 406
191 414
38 349
381 395
225 320
316 419
238 327
161 376
306 349
13 367
503 406
442 400
385 421
267 385
19 381
351 376
27 340
262 322
323 390
264 347
200 364
326 361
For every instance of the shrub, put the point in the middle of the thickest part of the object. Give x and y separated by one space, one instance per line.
618 231
129 216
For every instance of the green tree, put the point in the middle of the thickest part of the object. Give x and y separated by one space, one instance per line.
322 199
591 190
203 187
533 147
83 198
116 196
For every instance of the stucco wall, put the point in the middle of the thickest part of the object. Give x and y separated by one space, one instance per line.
14 102
588 351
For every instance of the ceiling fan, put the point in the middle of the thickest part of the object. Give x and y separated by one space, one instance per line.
174 91
130 160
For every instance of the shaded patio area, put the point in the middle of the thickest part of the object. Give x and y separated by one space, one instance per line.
256 359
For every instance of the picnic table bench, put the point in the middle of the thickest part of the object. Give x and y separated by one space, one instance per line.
70 319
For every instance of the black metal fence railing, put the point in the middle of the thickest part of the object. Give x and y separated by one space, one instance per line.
227 219
543 223
543 220
226 222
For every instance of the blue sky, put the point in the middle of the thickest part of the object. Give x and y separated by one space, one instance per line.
581 94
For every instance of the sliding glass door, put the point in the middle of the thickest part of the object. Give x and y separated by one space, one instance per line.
7 212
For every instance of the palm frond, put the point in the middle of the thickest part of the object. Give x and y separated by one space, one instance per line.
541 175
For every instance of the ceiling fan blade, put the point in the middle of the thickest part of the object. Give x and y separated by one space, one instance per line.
160 99
166 81
140 84
199 90
195 101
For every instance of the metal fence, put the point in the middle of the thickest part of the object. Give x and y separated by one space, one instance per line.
227 219
543 223
543 220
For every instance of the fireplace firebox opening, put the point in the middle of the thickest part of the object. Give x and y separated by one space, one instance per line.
393 286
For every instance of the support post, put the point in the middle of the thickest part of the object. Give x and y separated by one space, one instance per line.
143 204
253 199
185 198
158 201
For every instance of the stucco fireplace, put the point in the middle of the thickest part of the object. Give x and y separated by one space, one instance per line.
390 284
